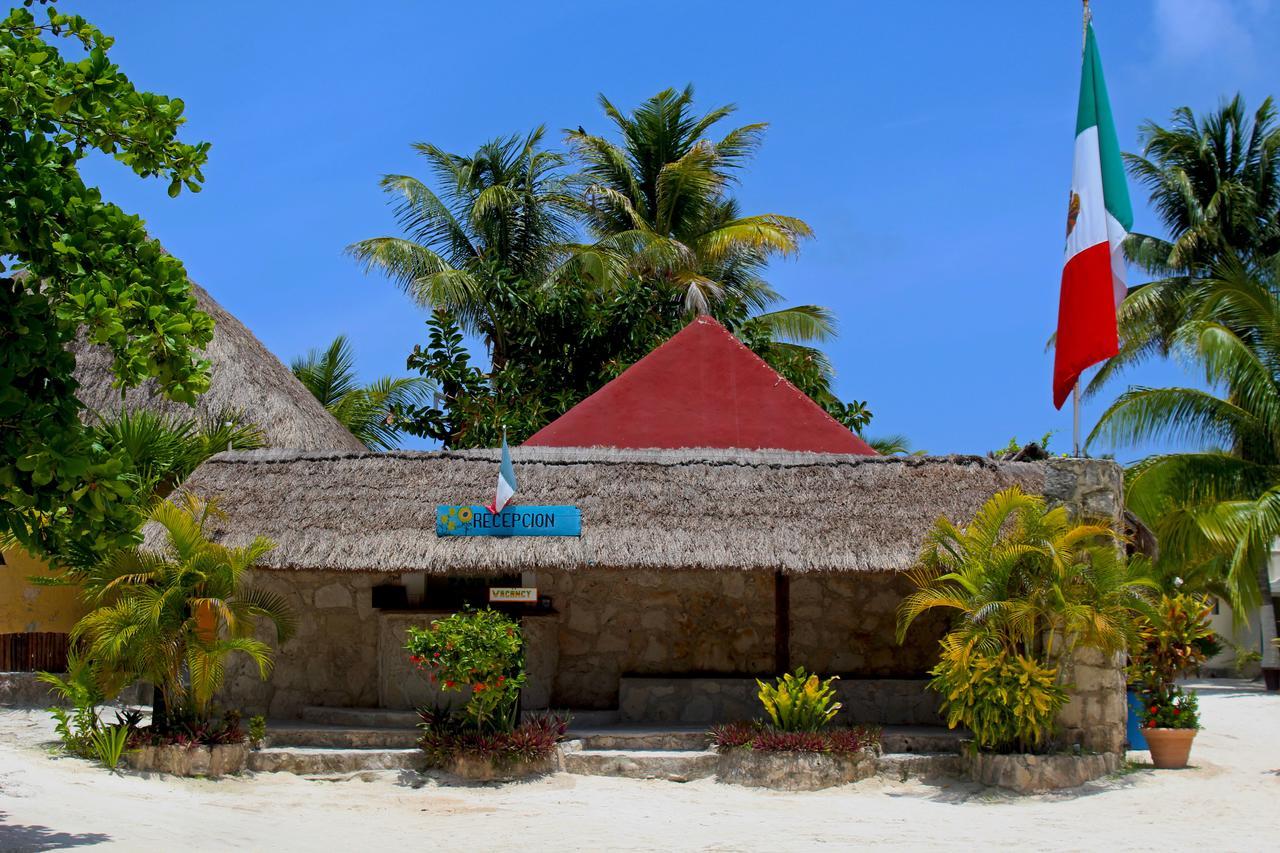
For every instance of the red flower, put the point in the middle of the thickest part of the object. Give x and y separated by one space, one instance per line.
1154 709
1177 711
501 678
480 687
1151 724
448 684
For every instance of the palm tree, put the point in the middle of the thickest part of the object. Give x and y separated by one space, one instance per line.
894 444
162 450
1215 183
1021 577
499 220
1217 509
367 411
661 199
173 618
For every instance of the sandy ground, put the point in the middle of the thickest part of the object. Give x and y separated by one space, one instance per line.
1229 800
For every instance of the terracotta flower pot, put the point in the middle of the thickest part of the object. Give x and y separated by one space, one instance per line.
1170 748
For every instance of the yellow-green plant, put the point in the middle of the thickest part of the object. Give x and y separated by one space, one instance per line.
1008 701
109 744
174 616
799 701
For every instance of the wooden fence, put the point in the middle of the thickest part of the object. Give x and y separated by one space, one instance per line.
33 652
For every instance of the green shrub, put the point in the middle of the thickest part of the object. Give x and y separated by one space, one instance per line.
480 651
1008 701
799 702
79 688
1171 643
109 744
257 730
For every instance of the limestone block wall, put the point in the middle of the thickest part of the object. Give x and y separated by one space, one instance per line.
331 660
612 623
845 624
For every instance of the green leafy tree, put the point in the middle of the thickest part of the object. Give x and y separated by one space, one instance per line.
1214 181
661 201
77 262
498 224
173 618
368 411
1215 511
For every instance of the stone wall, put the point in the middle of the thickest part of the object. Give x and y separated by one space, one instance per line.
615 623
332 659
1095 716
347 654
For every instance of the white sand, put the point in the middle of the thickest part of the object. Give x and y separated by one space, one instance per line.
1229 800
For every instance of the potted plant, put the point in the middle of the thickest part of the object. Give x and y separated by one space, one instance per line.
1170 719
1172 641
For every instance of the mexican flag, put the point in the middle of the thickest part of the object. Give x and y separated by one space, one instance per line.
1098 219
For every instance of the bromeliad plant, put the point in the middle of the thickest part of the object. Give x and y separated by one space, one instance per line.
1027 585
480 651
799 701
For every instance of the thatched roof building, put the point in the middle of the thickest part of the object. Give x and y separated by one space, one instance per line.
663 509
244 378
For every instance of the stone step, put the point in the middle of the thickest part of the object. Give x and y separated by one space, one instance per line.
920 739
308 761
381 718
694 738
291 733
671 765
919 765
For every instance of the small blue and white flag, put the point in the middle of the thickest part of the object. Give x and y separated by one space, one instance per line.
506 480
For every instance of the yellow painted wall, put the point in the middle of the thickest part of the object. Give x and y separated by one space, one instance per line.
25 607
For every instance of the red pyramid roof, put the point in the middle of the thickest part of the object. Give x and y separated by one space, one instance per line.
702 388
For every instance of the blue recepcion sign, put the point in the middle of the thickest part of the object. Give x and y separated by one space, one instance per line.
470 520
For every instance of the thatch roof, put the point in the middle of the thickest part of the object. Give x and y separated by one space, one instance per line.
244 378
697 509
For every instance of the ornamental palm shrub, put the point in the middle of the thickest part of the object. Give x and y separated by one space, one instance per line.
174 617
799 701
1027 585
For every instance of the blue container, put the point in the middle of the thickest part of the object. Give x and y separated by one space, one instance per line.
1133 727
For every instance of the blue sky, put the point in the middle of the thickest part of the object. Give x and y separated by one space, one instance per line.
927 144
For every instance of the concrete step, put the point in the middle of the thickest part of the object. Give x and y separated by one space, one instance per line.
307 761
292 733
648 738
381 718
671 765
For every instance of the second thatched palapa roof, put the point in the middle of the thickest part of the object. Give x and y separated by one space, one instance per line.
669 509
244 378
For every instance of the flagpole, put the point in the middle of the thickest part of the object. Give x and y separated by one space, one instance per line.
1075 391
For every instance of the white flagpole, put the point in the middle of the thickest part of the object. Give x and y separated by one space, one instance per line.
1075 391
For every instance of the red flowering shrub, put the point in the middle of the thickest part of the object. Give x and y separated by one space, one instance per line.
757 736
480 651
445 737
190 732
1170 708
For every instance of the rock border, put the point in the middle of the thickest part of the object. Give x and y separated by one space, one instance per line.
1034 774
471 768
794 771
177 760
